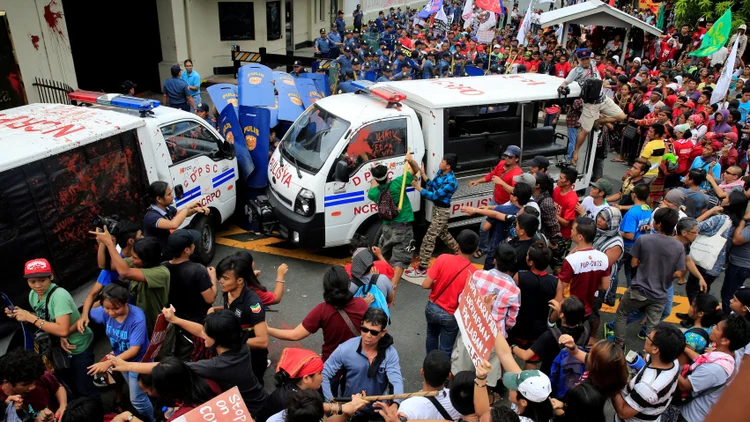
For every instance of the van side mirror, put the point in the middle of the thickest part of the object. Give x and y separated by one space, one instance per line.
341 171
228 150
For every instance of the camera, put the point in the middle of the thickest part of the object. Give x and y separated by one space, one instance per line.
564 90
110 222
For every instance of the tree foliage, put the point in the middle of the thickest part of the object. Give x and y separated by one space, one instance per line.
689 11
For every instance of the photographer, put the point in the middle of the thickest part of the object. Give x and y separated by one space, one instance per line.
162 217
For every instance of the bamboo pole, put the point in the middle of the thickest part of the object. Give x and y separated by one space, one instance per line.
388 397
403 185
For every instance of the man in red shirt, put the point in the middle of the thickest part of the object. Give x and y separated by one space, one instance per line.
566 201
502 176
586 270
25 381
446 279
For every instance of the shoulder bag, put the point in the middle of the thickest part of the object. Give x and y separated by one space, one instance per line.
48 346
705 250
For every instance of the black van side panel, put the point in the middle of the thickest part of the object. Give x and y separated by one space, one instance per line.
47 208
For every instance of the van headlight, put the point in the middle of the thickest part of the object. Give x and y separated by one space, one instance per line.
305 203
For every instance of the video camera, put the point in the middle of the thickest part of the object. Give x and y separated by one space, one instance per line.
110 222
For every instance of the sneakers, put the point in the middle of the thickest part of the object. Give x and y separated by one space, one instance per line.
609 331
100 381
610 300
416 272
642 332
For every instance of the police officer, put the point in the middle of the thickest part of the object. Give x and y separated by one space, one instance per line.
202 112
428 66
357 15
385 55
406 71
349 40
389 36
297 69
337 42
345 60
323 45
400 56
340 24
459 65
444 65
347 85
371 63
358 73
386 77
380 22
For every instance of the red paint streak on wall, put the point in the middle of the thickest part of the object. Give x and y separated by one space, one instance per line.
54 19
34 41
15 81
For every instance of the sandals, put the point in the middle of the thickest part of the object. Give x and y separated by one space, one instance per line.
478 254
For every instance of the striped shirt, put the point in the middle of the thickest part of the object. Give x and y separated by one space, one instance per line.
650 392
506 306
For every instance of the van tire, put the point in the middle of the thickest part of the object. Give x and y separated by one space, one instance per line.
373 232
206 247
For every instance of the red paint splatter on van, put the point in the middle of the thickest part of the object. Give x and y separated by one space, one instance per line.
34 41
54 19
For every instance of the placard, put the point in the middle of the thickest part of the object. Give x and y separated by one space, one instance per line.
486 36
478 328
226 407
157 339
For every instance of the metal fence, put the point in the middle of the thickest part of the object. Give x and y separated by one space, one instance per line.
52 91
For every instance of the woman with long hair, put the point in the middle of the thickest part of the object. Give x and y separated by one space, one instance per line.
339 315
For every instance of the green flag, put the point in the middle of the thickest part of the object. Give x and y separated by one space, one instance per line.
660 21
716 37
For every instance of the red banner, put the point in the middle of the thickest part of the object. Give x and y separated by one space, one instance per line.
226 407
157 339
490 5
478 328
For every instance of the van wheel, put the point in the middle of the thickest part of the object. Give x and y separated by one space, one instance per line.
373 232
207 243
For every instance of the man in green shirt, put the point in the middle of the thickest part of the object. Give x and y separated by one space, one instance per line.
397 237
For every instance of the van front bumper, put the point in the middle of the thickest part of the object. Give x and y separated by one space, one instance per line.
304 231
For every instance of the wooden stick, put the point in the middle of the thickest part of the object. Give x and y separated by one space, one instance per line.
389 396
403 185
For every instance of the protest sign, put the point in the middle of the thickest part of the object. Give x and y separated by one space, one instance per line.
157 339
478 328
226 407
486 36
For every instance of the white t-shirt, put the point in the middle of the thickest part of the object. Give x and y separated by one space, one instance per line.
417 408
592 210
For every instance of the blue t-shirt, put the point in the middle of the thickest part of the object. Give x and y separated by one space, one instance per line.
633 220
698 163
193 79
177 91
744 108
124 335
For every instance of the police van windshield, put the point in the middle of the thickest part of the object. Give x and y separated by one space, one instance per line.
312 138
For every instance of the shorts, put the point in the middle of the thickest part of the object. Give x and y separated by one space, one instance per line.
559 253
591 112
397 241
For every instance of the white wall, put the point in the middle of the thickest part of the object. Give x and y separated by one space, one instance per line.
52 57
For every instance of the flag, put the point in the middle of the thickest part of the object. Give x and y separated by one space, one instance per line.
489 23
552 1
432 7
716 37
441 21
662 12
490 5
525 27
722 85
468 13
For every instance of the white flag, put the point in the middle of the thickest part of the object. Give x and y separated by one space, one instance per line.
490 23
545 1
440 16
468 13
525 27
722 85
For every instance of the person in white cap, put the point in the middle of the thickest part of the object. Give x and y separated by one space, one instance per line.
741 32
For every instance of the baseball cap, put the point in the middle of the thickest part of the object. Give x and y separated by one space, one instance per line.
322 30
690 104
202 107
743 295
539 161
526 178
583 53
356 61
347 50
513 150
496 46
673 87
176 68
675 196
532 384
604 185
180 240
297 63
743 26
38 267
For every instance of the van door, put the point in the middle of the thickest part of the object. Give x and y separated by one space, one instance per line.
346 204
198 171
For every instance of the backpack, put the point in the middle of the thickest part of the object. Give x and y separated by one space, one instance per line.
566 371
590 90
387 209
371 288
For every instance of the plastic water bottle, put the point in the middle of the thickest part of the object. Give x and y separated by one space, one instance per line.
635 361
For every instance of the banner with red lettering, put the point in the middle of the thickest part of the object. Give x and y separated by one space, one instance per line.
478 328
157 339
226 407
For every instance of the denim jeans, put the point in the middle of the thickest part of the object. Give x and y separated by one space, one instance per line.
572 136
484 234
733 279
442 329
548 118
76 377
138 398
629 271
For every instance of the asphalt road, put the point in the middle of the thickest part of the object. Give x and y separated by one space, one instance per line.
304 291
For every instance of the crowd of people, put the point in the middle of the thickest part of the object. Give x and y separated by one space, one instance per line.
551 261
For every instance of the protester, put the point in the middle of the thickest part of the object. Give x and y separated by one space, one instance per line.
162 217
26 381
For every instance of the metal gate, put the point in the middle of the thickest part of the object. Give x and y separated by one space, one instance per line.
52 91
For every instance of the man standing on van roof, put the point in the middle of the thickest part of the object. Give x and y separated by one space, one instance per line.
501 176
397 237
590 115
176 91
439 190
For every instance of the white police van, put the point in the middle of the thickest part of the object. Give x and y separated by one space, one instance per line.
62 166
320 173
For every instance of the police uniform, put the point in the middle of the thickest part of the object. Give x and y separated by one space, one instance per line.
383 77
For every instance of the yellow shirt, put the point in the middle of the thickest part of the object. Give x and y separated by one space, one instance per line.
654 151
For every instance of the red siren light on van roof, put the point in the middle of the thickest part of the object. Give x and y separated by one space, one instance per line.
114 100
390 95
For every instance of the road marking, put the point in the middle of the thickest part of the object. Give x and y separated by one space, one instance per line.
266 245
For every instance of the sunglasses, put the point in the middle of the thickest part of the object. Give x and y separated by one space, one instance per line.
367 330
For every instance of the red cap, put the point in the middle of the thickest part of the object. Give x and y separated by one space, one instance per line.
690 104
38 267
